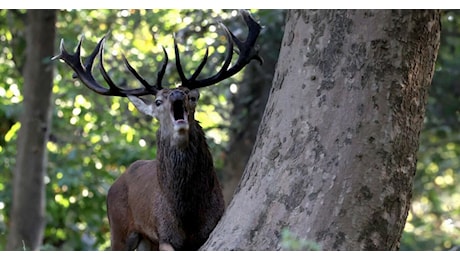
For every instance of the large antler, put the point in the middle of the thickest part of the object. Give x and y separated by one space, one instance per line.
83 72
247 52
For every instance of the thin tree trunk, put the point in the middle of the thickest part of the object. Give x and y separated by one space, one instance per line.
27 217
336 150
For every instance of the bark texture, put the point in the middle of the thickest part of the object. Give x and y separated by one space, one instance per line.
249 105
27 217
335 154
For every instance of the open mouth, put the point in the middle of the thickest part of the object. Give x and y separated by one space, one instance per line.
179 115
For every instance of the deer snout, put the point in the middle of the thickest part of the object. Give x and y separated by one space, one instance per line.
176 95
179 117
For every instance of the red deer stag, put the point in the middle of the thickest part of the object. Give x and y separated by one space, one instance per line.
175 201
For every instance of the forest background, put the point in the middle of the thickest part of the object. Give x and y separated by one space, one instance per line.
93 138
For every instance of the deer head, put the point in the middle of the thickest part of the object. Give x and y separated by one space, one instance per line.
175 201
179 102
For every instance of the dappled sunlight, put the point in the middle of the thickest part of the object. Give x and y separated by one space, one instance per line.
93 139
12 132
59 198
435 210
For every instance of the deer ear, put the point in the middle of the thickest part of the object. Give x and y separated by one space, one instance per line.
143 106
195 93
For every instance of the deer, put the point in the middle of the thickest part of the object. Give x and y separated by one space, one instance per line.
174 201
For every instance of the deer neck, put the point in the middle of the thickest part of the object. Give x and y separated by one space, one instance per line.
185 171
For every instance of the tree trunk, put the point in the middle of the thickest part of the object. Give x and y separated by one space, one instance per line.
249 104
27 217
336 149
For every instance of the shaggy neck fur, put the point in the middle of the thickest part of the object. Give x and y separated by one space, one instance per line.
186 172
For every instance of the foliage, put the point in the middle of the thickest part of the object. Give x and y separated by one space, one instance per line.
291 242
10 98
94 138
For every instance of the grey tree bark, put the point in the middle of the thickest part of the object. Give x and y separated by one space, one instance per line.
27 217
335 154
249 102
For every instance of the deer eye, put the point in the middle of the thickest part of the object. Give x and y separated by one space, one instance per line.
193 99
158 103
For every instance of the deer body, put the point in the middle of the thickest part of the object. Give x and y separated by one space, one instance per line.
189 201
175 201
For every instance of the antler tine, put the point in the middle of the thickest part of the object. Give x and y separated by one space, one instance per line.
249 44
201 66
229 53
113 89
74 61
246 49
160 75
178 65
84 72
197 72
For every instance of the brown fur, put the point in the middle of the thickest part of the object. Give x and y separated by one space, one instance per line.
173 202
